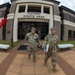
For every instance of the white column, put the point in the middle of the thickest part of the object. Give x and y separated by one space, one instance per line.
17 9
51 19
26 8
15 26
15 30
42 9
49 27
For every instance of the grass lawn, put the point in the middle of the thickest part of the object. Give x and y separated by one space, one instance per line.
66 42
9 43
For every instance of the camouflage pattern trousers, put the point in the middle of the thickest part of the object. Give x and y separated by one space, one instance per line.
32 50
52 54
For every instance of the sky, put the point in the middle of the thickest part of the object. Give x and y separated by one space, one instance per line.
4 1
68 3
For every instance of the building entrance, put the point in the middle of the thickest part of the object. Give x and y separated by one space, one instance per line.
42 29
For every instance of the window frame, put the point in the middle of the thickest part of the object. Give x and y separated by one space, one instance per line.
74 19
73 34
21 10
70 35
1 13
68 17
44 9
36 6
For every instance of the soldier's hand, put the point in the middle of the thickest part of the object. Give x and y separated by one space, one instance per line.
40 46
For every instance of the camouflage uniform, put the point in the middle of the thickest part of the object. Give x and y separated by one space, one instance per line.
32 41
52 41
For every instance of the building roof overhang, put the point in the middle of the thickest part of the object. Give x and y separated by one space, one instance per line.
5 5
54 1
67 9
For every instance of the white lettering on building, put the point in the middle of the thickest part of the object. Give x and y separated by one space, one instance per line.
33 15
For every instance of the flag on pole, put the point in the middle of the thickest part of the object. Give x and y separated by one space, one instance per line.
2 23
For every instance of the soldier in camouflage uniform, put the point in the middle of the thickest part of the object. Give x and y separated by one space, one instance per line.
51 40
32 40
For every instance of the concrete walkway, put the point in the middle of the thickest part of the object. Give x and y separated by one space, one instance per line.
17 63
21 65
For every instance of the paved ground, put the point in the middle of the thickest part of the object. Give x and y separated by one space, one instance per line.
21 65
17 63
69 57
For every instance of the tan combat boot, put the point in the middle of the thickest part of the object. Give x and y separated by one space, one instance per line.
54 68
34 60
29 56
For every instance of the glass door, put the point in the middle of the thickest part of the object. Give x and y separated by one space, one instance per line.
25 27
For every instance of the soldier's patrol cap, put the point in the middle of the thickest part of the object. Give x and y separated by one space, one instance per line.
53 28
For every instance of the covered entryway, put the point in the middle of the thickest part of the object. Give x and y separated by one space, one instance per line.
42 28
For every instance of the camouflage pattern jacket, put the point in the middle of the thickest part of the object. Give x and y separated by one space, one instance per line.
32 39
51 40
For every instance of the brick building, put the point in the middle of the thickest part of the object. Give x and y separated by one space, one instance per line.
42 14
4 11
68 23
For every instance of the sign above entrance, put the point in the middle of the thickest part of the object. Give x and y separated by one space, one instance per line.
33 16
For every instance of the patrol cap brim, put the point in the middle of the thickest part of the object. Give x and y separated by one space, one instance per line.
53 28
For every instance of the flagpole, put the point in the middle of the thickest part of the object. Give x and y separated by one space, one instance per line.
12 36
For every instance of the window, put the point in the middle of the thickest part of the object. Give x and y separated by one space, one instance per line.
73 34
69 34
68 17
0 13
47 10
21 8
74 19
34 8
